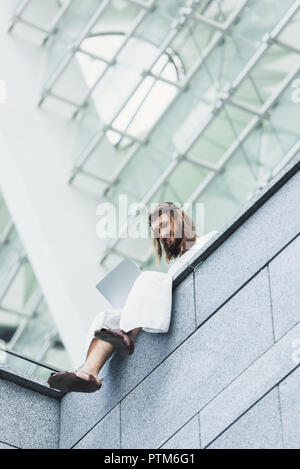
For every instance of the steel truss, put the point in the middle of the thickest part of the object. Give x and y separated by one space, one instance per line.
227 97
31 308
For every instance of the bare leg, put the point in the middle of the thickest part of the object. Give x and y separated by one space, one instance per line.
86 379
99 352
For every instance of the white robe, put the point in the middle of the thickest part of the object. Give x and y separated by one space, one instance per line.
149 303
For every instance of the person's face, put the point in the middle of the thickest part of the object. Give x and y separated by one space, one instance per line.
164 228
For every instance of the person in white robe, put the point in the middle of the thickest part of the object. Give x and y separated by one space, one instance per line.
148 306
142 309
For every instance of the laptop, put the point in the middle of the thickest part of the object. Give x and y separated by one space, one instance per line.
116 285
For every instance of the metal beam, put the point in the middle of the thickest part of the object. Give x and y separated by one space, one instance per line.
211 23
207 51
12 277
176 158
140 3
69 55
288 157
17 18
247 131
30 360
31 311
17 14
284 45
6 233
261 113
57 19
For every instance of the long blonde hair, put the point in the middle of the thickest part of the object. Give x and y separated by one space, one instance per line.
188 230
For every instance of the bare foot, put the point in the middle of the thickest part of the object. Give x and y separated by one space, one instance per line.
74 382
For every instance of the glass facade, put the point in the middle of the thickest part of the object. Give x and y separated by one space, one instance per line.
26 324
187 93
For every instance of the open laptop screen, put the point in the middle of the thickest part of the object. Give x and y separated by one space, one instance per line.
116 285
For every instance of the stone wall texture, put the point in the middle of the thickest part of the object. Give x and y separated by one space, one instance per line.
226 375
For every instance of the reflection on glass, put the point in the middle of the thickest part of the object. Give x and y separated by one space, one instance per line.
26 325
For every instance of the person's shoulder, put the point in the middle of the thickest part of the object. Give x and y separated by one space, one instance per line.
205 238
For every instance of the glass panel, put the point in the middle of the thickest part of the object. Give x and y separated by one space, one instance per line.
68 28
290 34
219 135
26 324
105 159
73 21
158 21
190 41
9 323
21 290
266 76
183 182
190 121
139 175
217 11
42 13
228 191
4 217
117 16
11 364
287 128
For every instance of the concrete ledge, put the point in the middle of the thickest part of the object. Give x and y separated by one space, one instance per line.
122 375
225 367
197 359
29 420
289 394
206 363
253 384
249 249
259 428
29 382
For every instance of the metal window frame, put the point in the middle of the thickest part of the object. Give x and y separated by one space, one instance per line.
31 308
18 18
238 143
97 138
224 98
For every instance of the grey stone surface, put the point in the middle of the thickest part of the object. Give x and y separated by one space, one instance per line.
200 368
121 375
105 434
290 409
4 446
248 249
285 288
249 387
187 437
259 428
28 419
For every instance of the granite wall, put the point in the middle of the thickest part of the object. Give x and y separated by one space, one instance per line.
226 375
